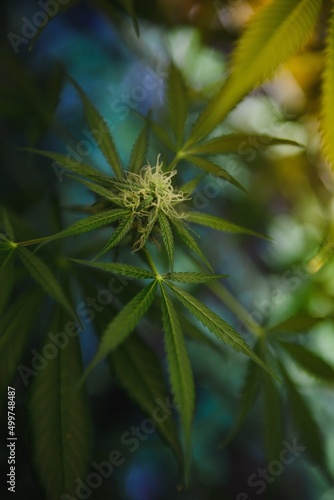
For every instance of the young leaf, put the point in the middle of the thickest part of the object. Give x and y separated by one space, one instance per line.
45 278
180 372
76 167
273 425
167 237
139 150
102 191
7 279
307 426
217 325
236 143
309 361
218 223
120 232
190 241
124 323
177 104
139 372
327 101
100 131
249 392
60 421
193 277
272 36
211 168
121 269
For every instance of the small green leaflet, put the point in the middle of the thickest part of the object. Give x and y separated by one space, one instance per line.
238 143
180 372
190 242
193 277
272 36
120 232
309 361
121 269
167 237
60 420
100 131
44 277
139 150
217 326
249 392
177 104
102 191
218 223
211 168
124 323
139 371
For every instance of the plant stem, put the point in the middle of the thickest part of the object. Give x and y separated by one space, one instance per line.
150 261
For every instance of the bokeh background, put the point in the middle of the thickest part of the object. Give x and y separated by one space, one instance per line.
290 198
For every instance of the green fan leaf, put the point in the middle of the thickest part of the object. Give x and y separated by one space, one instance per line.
100 131
307 426
15 326
124 323
90 223
7 279
7 225
180 372
102 191
190 242
45 278
272 412
167 237
120 232
310 362
158 130
249 392
295 324
77 167
238 143
272 36
193 277
177 104
217 325
121 269
218 223
60 421
327 100
139 150
139 371
211 168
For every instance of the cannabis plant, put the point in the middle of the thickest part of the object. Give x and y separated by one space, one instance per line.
141 218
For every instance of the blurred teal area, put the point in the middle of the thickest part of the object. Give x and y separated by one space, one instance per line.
123 80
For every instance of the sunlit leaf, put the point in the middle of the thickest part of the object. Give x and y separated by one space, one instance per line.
272 36
327 100
193 277
139 371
